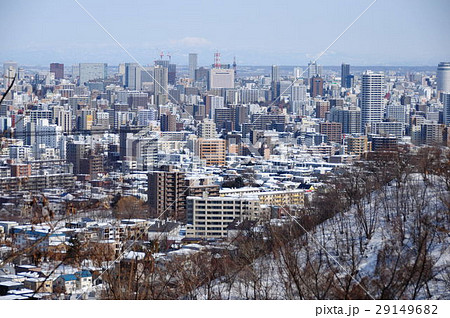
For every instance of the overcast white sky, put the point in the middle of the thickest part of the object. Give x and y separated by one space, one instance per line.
257 32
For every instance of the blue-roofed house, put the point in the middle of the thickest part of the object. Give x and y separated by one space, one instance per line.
84 279
66 283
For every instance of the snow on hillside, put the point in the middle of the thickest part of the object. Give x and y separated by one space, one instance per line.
393 243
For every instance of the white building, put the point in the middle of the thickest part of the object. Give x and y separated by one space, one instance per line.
221 78
48 134
207 129
372 94
443 77
209 217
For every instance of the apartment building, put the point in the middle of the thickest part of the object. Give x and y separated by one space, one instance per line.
213 151
209 217
357 145
166 193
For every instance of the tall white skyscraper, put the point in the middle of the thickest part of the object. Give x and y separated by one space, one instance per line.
372 93
9 65
192 65
443 77
298 71
298 92
298 99
10 69
215 102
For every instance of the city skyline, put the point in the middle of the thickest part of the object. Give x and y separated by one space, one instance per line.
405 32
205 150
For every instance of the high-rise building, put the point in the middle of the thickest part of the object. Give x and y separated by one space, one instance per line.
202 75
349 117
48 134
161 83
241 112
137 100
372 93
225 118
275 73
163 63
92 71
168 122
161 79
76 151
221 78
332 130
145 116
314 69
75 71
207 129
213 151
58 69
298 72
166 193
443 77
172 74
121 69
432 134
132 78
446 100
346 80
388 128
9 64
322 108
396 112
212 103
192 65
246 96
316 86
86 119
283 89
357 145
262 122
147 74
10 70
62 118
275 78
298 99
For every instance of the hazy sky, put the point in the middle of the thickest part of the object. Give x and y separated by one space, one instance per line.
257 32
